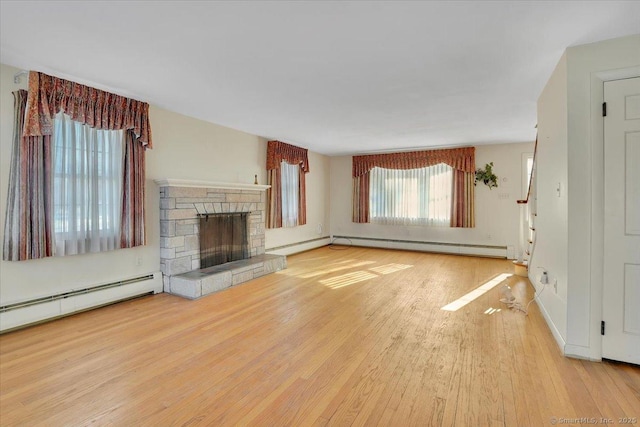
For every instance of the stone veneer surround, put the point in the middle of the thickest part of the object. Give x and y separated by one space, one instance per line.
180 204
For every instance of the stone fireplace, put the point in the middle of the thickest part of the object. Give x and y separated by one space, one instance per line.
182 204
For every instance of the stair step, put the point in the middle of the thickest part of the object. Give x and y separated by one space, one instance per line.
521 268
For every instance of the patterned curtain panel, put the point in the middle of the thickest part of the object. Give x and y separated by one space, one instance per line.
274 199
361 198
463 201
460 159
302 197
278 152
132 231
28 232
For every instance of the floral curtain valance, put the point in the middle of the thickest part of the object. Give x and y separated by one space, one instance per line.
462 159
278 151
99 109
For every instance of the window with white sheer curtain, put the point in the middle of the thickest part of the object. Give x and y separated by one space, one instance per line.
411 197
290 193
87 187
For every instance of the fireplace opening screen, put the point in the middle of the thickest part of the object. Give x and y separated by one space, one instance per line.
223 238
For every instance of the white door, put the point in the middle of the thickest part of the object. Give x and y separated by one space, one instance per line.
621 296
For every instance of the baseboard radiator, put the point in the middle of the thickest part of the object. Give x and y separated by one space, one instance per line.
24 313
297 247
412 245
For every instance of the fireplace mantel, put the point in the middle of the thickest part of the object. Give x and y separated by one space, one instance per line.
167 182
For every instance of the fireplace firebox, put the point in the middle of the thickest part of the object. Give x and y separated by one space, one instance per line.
223 238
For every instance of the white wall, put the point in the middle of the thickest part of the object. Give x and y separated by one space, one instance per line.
550 252
183 148
570 228
497 219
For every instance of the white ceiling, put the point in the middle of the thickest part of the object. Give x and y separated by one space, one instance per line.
335 77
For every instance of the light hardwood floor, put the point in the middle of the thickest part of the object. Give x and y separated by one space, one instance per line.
342 337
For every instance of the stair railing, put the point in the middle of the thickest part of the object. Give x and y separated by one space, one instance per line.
527 217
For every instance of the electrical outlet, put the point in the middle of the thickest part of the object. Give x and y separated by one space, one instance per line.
555 285
544 279
139 261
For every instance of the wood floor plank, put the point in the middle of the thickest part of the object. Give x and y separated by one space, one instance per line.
341 337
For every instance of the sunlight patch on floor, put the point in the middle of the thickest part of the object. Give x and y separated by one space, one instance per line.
348 279
390 268
334 269
306 273
489 311
480 290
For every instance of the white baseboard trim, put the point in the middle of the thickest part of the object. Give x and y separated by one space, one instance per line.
18 315
410 245
552 328
298 247
567 350
545 314
579 352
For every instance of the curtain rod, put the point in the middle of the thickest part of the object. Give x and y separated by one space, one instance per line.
16 76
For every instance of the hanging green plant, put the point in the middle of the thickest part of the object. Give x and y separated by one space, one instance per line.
487 176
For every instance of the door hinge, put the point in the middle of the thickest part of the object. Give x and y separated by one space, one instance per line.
604 109
602 327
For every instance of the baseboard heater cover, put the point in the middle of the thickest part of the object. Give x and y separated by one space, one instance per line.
453 248
291 245
36 310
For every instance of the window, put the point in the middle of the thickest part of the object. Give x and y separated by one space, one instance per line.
527 169
290 193
94 176
411 197
287 166
87 187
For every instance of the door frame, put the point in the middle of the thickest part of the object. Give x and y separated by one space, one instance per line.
597 200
